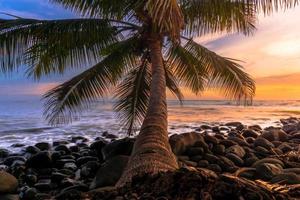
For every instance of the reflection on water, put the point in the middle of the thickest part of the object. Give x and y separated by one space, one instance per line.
21 120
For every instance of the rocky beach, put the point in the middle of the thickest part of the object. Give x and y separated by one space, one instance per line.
224 161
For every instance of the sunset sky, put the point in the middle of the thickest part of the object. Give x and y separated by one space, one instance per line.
271 55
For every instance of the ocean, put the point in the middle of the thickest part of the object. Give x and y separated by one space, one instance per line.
22 122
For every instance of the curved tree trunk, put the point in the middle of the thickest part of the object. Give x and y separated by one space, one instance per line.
152 152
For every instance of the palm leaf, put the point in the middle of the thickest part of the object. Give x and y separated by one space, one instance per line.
48 46
214 16
64 103
223 73
132 96
172 84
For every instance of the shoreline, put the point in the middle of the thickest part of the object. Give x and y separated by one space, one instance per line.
77 166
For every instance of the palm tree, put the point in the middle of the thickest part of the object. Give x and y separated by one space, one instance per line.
138 48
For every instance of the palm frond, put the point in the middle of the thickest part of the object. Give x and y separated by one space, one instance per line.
186 68
132 96
112 9
64 103
167 16
269 6
215 16
173 85
223 73
48 46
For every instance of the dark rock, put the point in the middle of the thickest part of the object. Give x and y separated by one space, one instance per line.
62 142
203 163
30 194
214 167
86 159
43 185
255 127
234 124
250 133
226 164
43 146
70 166
183 158
9 197
211 158
8 183
89 169
194 151
31 179
109 135
63 148
39 161
118 147
74 148
235 159
32 149
61 162
110 172
11 159
76 139
275 135
18 145
286 178
4 153
203 145
97 147
196 158
263 143
190 163
250 140
219 149
284 147
211 139
228 143
267 171
262 151
237 150
268 160
205 127
179 143
239 140
215 129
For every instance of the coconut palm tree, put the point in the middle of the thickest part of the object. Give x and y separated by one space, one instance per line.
138 48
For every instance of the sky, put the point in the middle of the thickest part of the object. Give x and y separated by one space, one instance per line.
271 56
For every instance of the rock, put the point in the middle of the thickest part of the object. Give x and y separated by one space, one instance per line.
226 164
284 147
233 124
250 140
275 135
196 158
61 142
286 178
118 147
9 197
235 159
31 179
228 143
43 146
39 161
86 159
179 143
194 151
268 160
74 148
211 158
30 194
267 171
110 172
18 145
79 138
89 169
239 140
70 166
205 127
292 170
43 185
11 159
190 163
290 127
183 158
219 149
255 127
211 139
62 148
8 183
109 135
97 147
203 145
263 143
237 150
203 163
250 133
32 149
4 153
214 167
261 151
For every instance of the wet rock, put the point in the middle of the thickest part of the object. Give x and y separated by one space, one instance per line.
268 160
190 163
235 159
267 171
250 140
228 143
62 148
118 147
70 166
39 161
205 127
4 153
219 149
31 179
203 145
43 185
211 139
286 178
8 183
76 139
110 172
194 151
11 159
226 164
32 149
263 143
284 147
255 127
234 124
250 133
86 159
179 143
261 151
196 158
43 146
9 197
237 150
109 135
211 158
89 169
97 147
30 194
203 163
239 140
275 135
214 167
74 148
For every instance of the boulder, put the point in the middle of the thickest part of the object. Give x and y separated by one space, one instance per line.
118 147
237 150
255 127
8 183
275 135
9 197
179 143
235 159
263 143
110 172
39 161
43 146
233 124
194 151
267 171
11 159
211 139
250 133
268 160
32 149
286 178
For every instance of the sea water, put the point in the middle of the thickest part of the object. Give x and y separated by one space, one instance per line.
22 121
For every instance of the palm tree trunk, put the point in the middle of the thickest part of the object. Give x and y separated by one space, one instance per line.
152 152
